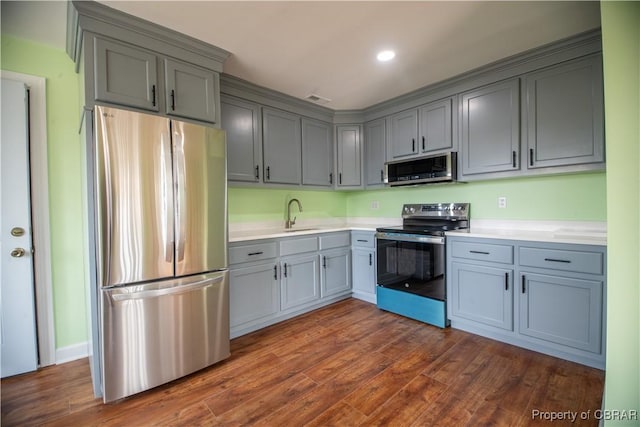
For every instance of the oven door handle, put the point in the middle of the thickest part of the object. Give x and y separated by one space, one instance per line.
418 238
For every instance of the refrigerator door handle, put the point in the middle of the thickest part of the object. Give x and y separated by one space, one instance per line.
168 291
180 193
168 188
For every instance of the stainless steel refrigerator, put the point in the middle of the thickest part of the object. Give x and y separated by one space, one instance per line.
160 217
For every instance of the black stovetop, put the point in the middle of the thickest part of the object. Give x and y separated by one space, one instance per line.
428 230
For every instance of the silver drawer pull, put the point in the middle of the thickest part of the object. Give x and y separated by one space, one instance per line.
363 241
255 253
558 260
479 252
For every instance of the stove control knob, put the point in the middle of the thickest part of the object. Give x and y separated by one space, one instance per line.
412 209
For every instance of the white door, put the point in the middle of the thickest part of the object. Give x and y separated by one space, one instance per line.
17 307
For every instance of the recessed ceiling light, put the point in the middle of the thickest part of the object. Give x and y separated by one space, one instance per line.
386 55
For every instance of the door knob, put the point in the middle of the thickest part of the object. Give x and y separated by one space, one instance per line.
17 231
17 252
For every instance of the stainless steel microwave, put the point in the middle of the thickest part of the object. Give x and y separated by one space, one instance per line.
424 170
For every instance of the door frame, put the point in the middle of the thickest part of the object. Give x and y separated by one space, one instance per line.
40 213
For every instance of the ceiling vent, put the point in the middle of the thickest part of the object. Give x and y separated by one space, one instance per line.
317 99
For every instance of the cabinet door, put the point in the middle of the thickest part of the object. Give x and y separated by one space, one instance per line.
375 140
404 134
563 310
364 271
435 126
482 294
564 114
282 147
190 91
491 128
125 75
253 293
241 121
317 153
349 156
335 272
299 283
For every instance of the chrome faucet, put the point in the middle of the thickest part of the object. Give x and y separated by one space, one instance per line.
290 222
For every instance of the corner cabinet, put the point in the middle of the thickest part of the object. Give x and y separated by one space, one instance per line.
282 143
349 156
127 75
375 146
317 153
564 114
547 297
242 123
490 128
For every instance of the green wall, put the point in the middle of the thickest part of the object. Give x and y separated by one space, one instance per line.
568 197
251 204
621 54
65 196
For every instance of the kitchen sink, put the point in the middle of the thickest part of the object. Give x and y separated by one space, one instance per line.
293 230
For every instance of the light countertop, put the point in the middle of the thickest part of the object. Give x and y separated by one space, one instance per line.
574 232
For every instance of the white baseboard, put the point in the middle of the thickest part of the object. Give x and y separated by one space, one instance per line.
72 352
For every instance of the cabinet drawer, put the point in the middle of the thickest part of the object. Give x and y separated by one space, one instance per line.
296 246
565 260
338 240
363 239
247 253
483 252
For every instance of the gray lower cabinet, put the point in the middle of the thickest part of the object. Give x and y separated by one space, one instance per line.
563 310
548 297
242 123
282 144
564 114
375 146
335 273
483 294
299 283
125 75
254 293
349 156
363 249
272 280
190 91
317 153
490 128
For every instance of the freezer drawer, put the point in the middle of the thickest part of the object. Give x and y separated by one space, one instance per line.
161 331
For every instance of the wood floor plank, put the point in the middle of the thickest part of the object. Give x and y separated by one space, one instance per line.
346 364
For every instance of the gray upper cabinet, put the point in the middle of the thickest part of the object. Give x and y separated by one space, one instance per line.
435 126
375 143
282 145
241 121
190 91
349 152
491 128
125 75
564 114
317 153
404 134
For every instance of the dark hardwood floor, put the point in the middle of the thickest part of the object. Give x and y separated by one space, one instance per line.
344 365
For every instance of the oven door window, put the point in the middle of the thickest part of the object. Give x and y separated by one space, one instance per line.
412 267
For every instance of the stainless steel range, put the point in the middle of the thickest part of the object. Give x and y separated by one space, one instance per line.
411 261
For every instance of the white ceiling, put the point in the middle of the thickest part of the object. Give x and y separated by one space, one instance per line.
328 48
